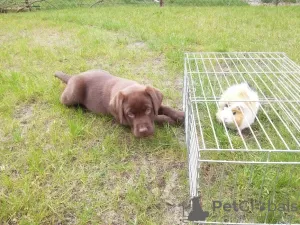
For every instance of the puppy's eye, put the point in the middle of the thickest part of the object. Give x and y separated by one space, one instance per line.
233 113
148 111
130 115
226 105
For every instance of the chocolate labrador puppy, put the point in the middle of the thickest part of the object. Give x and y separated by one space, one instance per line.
130 103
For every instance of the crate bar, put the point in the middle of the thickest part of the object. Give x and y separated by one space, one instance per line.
279 77
284 74
209 115
285 108
193 146
193 173
212 89
268 100
216 103
276 130
257 119
248 162
218 80
228 223
270 120
251 150
212 126
249 72
268 158
298 199
274 192
222 53
242 112
291 172
292 65
198 117
184 94
229 57
223 91
282 106
288 90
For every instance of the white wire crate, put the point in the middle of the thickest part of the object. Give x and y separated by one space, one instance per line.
261 165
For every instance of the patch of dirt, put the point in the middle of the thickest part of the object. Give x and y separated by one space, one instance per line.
113 218
69 218
48 125
137 45
3 137
176 84
171 185
99 64
24 115
163 182
49 37
179 83
140 71
4 38
113 35
156 66
2 168
259 2
155 169
173 215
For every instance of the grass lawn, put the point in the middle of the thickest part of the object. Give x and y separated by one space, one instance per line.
62 165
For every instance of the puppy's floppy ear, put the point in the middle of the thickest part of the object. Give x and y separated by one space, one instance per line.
156 97
116 107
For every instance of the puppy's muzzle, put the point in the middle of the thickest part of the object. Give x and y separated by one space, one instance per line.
143 130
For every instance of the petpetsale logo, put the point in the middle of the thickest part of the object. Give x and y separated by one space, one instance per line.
230 207
251 205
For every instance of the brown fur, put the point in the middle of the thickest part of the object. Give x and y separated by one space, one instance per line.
130 103
238 115
244 95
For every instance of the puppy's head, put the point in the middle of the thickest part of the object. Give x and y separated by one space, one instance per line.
137 107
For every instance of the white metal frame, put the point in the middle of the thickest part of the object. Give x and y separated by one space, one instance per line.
276 78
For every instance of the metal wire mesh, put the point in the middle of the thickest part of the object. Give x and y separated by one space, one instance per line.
31 5
25 5
260 166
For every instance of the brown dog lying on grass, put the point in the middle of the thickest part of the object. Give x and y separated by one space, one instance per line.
130 103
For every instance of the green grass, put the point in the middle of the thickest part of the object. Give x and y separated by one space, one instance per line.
15 5
64 165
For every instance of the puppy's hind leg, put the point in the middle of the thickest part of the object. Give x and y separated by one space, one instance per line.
67 97
73 93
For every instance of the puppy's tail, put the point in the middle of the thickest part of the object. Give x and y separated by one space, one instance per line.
62 76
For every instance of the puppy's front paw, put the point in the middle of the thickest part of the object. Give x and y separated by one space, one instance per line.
162 119
179 116
170 121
